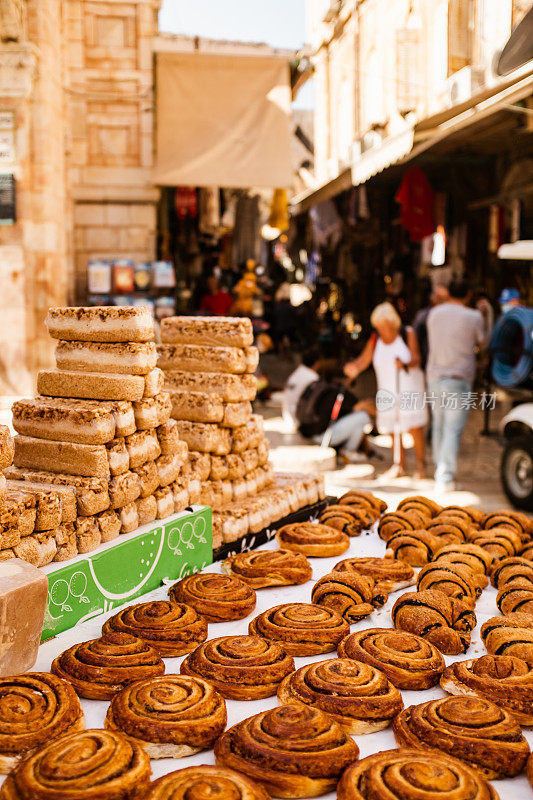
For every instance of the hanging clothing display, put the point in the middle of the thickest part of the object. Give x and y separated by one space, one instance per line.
326 224
186 202
247 231
209 210
416 198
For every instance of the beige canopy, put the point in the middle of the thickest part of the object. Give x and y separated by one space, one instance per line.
222 120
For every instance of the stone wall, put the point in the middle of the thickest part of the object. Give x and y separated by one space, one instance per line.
110 104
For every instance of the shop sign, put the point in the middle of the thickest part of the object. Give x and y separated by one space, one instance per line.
7 199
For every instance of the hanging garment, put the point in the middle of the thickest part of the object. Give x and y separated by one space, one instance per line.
247 231
416 198
209 210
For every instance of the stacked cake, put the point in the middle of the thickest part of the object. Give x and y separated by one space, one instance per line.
208 364
100 427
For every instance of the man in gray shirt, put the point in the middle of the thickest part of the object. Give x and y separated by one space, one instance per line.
454 333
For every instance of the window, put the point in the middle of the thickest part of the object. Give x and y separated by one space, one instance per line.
460 34
407 74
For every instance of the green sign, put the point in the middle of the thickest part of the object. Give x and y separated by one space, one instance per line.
117 575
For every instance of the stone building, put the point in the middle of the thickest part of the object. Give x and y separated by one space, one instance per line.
76 118
382 68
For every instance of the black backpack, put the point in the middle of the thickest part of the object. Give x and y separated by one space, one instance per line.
315 405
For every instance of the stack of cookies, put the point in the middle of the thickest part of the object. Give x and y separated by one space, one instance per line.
101 427
208 364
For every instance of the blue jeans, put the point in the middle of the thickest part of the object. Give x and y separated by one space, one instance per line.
349 430
449 416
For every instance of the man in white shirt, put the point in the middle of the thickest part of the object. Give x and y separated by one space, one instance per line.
455 332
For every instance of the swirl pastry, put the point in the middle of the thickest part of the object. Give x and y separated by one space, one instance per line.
357 696
172 629
422 505
408 661
172 716
201 783
263 568
511 635
454 580
218 598
391 574
350 594
91 765
505 680
240 667
412 775
35 708
511 569
400 521
448 531
473 516
527 552
292 750
310 539
351 520
516 596
415 547
529 769
101 667
468 555
356 497
443 621
499 542
515 520
302 629
471 728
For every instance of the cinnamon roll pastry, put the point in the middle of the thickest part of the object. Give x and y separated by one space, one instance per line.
454 580
400 521
351 520
473 516
467 555
508 570
422 505
172 629
408 661
240 667
412 775
292 750
448 531
91 765
172 716
310 539
201 783
34 708
511 635
101 667
499 542
415 547
263 568
218 598
505 680
527 551
350 594
390 574
529 769
301 629
519 522
357 696
516 596
356 497
443 621
473 729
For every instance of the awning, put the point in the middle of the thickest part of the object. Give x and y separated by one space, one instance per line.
222 120
318 194
392 150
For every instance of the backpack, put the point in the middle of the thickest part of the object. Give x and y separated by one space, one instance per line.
314 407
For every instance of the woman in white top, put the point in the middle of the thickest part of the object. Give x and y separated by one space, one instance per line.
400 397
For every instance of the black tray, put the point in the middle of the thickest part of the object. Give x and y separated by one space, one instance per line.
252 540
